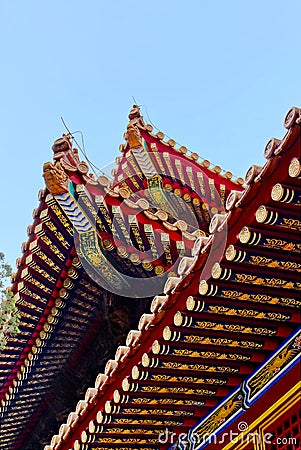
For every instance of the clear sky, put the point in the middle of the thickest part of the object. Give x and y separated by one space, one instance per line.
215 76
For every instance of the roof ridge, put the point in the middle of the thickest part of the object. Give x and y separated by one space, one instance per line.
137 120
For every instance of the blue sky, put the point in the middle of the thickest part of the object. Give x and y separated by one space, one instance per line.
217 77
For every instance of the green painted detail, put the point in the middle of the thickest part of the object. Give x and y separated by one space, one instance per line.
71 188
156 191
158 195
92 252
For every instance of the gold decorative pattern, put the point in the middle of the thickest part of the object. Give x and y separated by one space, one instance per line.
201 183
158 158
275 264
294 224
179 390
198 367
37 283
260 298
22 301
52 247
214 421
89 247
136 232
92 210
149 233
271 282
222 189
120 448
166 401
123 430
212 189
184 379
31 294
136 169
54 230
157 194
243 312
222 341
180 170
205 211
236 328
132 179
117 216
168 163
281 244
269 370
41 271
61 216
209 354
99 199
158 411
120 440
143 421
190 176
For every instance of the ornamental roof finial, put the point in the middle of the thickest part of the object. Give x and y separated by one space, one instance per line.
133 136
135 113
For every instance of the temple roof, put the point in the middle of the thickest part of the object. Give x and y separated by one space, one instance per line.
218 321
158 202
230 291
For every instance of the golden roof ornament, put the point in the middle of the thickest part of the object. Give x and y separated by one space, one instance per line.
56 179
133 136
134 113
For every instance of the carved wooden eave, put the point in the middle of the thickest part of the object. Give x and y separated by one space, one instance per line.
221 315
169 177
223 324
